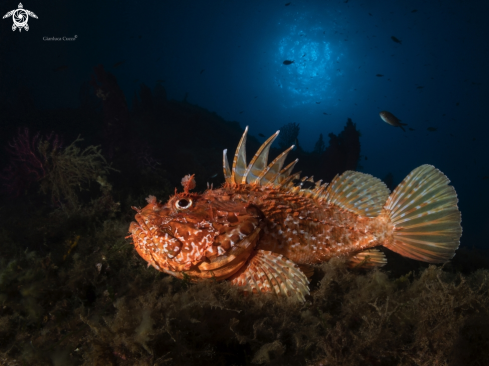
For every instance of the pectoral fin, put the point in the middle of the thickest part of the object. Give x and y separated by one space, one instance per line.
269 272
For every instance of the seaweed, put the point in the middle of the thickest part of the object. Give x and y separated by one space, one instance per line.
138 315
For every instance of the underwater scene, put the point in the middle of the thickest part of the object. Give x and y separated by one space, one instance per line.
237 183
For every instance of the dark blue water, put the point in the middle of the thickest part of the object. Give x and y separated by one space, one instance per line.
227 56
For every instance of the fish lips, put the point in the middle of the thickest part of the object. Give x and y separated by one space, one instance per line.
182 246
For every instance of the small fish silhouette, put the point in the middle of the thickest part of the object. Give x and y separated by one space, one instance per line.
396 40
432 129
389 118
288 62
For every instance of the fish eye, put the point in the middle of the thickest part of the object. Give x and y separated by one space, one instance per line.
183 203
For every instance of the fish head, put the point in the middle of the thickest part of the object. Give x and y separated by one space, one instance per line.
389 118
207 235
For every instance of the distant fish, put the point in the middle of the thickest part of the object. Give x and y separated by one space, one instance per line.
366 158
201 71
432 129
318 102
303 55
389 118
326 114
411 129
379 75
396 40
414 10
60 68
262 135
287 4
241 112
288 62
420 87
485 177
215 175
117 64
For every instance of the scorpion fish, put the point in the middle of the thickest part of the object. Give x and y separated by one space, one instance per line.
263 230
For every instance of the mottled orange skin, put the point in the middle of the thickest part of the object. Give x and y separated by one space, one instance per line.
215 235
307 231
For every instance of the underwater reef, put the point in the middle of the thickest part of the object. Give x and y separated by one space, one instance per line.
74 291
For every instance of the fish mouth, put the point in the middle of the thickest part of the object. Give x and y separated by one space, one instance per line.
222 267
198 251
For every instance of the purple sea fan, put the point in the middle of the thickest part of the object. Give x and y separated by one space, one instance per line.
27 162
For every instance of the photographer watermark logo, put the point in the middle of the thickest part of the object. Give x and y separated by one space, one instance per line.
20 17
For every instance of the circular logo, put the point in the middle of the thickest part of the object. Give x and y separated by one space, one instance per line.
20 17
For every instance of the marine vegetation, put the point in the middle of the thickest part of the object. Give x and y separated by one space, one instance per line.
107 308
60 172
260 227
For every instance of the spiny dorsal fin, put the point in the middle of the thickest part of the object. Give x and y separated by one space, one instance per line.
257 171
259 161
360 193
271 172
239 162
225 167
288 182
284 175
